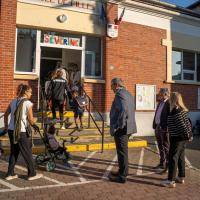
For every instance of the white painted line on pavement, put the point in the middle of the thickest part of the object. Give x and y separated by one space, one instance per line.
73 169
139 170
45 177
109 168
86 159
47 186
11 186
188 163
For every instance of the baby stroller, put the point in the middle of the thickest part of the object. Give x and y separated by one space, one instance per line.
50 156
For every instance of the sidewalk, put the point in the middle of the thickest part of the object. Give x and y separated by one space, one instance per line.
87 179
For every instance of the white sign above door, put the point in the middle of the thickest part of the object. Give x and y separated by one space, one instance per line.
77 5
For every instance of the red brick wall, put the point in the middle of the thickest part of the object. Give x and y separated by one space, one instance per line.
7 51
96 92
189 94
34 86
136 55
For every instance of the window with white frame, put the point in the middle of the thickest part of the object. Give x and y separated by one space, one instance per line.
185 66
93 57
25 50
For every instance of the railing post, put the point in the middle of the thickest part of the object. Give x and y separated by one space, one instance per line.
102 147
89 109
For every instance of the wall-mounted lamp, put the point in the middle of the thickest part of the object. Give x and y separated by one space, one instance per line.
62 18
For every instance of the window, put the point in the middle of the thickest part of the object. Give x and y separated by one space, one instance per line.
176 65
185 66
93 57
25 55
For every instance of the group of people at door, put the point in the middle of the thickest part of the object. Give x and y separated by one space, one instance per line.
64 90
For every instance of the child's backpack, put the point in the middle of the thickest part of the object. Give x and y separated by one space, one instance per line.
82 101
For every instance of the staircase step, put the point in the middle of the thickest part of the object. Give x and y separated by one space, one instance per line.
69 114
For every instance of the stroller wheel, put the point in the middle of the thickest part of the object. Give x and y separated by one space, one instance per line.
50 166
40 159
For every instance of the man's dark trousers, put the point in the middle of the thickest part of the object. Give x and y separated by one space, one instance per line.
121 142
162 138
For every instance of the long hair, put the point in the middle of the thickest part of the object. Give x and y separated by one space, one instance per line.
21 90
176 100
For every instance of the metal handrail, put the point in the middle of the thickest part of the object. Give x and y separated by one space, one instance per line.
90 116
101 130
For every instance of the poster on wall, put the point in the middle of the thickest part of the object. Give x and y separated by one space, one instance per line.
145 97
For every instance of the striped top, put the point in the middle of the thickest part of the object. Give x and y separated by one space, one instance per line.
178 124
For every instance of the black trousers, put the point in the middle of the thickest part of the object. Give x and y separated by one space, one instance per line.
23 146
59 104
121 142
176 159
162 137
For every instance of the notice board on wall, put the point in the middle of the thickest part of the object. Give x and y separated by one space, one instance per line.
145 97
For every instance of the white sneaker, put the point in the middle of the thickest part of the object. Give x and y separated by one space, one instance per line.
62 127
8 178
168 183
37 176
180 180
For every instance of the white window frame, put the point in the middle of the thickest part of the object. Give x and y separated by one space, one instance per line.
39 44
194 72
15 60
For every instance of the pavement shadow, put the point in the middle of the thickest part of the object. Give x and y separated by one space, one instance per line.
142 182
195 144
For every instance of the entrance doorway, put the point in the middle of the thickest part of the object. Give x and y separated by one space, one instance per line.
51 56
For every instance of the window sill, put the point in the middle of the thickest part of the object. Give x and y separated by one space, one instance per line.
182 82
87 80
26 76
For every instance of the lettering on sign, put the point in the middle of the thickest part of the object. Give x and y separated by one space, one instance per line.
81 4
53 39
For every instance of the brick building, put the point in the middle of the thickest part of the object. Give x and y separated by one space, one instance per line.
158 45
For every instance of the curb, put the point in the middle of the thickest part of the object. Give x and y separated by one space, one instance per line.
87 147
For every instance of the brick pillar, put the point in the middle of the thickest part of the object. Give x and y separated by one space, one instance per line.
111 57
7 51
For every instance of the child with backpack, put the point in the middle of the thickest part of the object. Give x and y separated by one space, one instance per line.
79 103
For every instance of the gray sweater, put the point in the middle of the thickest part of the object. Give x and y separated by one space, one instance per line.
122 112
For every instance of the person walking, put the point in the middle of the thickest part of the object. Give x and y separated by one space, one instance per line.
58 88
180 130
160 126
122 125
21 113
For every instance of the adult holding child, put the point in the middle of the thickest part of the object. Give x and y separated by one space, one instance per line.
21 115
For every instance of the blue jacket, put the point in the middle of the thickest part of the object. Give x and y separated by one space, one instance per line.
122 112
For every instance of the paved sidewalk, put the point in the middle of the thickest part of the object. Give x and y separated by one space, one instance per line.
87 179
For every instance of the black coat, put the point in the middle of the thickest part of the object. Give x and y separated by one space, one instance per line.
163 117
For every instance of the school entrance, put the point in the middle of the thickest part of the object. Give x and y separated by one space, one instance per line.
53 58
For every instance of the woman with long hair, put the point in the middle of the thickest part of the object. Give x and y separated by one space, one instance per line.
180 131
21 115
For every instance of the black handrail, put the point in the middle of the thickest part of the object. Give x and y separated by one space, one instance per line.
90 116
101 130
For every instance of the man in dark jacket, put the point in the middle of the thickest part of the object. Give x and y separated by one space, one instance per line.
160 126
122 125
58 88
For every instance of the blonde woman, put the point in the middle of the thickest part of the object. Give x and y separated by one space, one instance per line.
179 127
